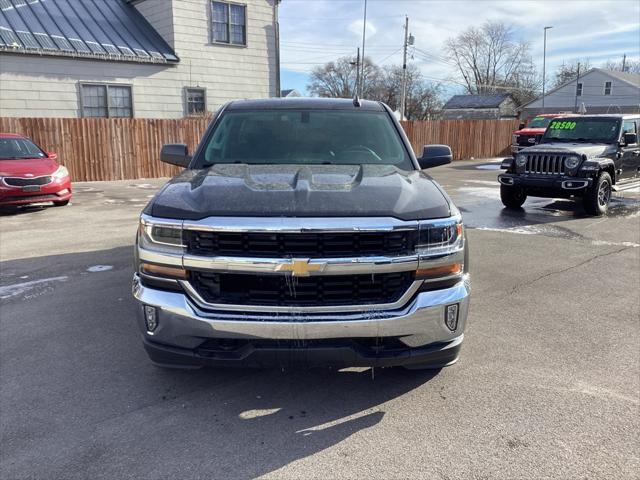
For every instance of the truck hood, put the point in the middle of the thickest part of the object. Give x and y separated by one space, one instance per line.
587 149
300 191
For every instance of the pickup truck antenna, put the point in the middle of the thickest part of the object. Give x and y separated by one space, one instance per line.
356 101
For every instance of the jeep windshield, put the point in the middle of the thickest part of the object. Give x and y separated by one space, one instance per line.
579 129
305 136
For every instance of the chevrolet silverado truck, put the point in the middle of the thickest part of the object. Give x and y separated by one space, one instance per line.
531 133
581 156
304 232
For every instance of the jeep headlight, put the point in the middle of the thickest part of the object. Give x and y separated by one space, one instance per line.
571 162
521 160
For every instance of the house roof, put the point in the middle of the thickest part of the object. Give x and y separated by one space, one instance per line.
476 101
627 77
98 29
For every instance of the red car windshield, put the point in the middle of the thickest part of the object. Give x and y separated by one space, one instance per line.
539 122
19 148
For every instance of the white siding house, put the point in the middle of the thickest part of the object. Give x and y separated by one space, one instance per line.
601 91
192 56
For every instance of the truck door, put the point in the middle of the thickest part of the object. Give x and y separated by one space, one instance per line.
630 160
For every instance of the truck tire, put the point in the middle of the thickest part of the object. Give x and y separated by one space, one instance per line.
596 199
62 203
512 197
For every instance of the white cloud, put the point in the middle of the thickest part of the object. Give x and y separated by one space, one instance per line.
355 27
322 30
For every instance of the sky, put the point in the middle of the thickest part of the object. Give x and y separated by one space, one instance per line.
313 32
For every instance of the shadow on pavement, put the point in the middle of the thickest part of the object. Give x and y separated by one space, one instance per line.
80 398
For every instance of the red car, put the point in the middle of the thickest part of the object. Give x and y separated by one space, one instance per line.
30 175
530 135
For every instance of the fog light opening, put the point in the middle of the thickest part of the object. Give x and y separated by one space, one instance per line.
150 318
451 316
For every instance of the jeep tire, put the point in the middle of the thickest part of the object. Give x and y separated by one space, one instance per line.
596 199
512 197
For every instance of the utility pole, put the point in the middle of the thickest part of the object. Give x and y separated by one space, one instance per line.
575 105
544 66
364 34
624 62
357 64
403 99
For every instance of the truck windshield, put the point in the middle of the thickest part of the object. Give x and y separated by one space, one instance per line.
579 129
311 136
539 122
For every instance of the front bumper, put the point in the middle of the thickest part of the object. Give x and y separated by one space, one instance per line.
56 191
564 185
417 331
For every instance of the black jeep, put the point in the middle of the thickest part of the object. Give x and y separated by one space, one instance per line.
586 156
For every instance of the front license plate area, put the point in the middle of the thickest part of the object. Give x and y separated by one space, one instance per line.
31 188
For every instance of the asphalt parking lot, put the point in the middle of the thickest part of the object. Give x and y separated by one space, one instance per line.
548 384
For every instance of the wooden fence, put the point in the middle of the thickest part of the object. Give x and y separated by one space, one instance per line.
467 138
126 148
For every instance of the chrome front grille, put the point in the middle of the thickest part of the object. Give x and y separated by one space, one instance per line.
545 164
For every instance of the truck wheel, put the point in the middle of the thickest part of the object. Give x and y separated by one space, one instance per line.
62 203
596 199
512 197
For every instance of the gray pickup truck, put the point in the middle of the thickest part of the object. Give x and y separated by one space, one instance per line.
302 231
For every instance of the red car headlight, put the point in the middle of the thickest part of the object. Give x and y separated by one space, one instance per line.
60 173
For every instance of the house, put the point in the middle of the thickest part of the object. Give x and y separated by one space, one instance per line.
291 93
135 58
480 107
601 91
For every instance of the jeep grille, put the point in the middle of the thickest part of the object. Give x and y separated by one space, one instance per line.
545 164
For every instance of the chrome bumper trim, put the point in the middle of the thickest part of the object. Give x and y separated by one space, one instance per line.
199 301
421 321
317 266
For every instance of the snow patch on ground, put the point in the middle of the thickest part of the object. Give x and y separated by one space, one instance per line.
99 268
16 289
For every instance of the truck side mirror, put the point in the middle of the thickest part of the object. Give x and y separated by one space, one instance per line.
630 138
52 155
435 155
175 154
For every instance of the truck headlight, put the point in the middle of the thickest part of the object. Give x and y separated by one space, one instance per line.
521 160
440 249
160 236
571 162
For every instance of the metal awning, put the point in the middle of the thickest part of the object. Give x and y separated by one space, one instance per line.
99 29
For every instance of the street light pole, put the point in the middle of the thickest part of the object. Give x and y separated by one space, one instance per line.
544 66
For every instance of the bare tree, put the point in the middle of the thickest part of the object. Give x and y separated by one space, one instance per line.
337 79
630 65
489 60
569 71
424 99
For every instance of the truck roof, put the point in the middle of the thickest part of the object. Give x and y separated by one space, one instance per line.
304 103
603 115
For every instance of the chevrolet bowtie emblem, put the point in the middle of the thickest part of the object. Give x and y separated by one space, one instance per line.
300 267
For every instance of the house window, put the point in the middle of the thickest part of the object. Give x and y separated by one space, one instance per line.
229 23
607 88
106 101
196 101
579 90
